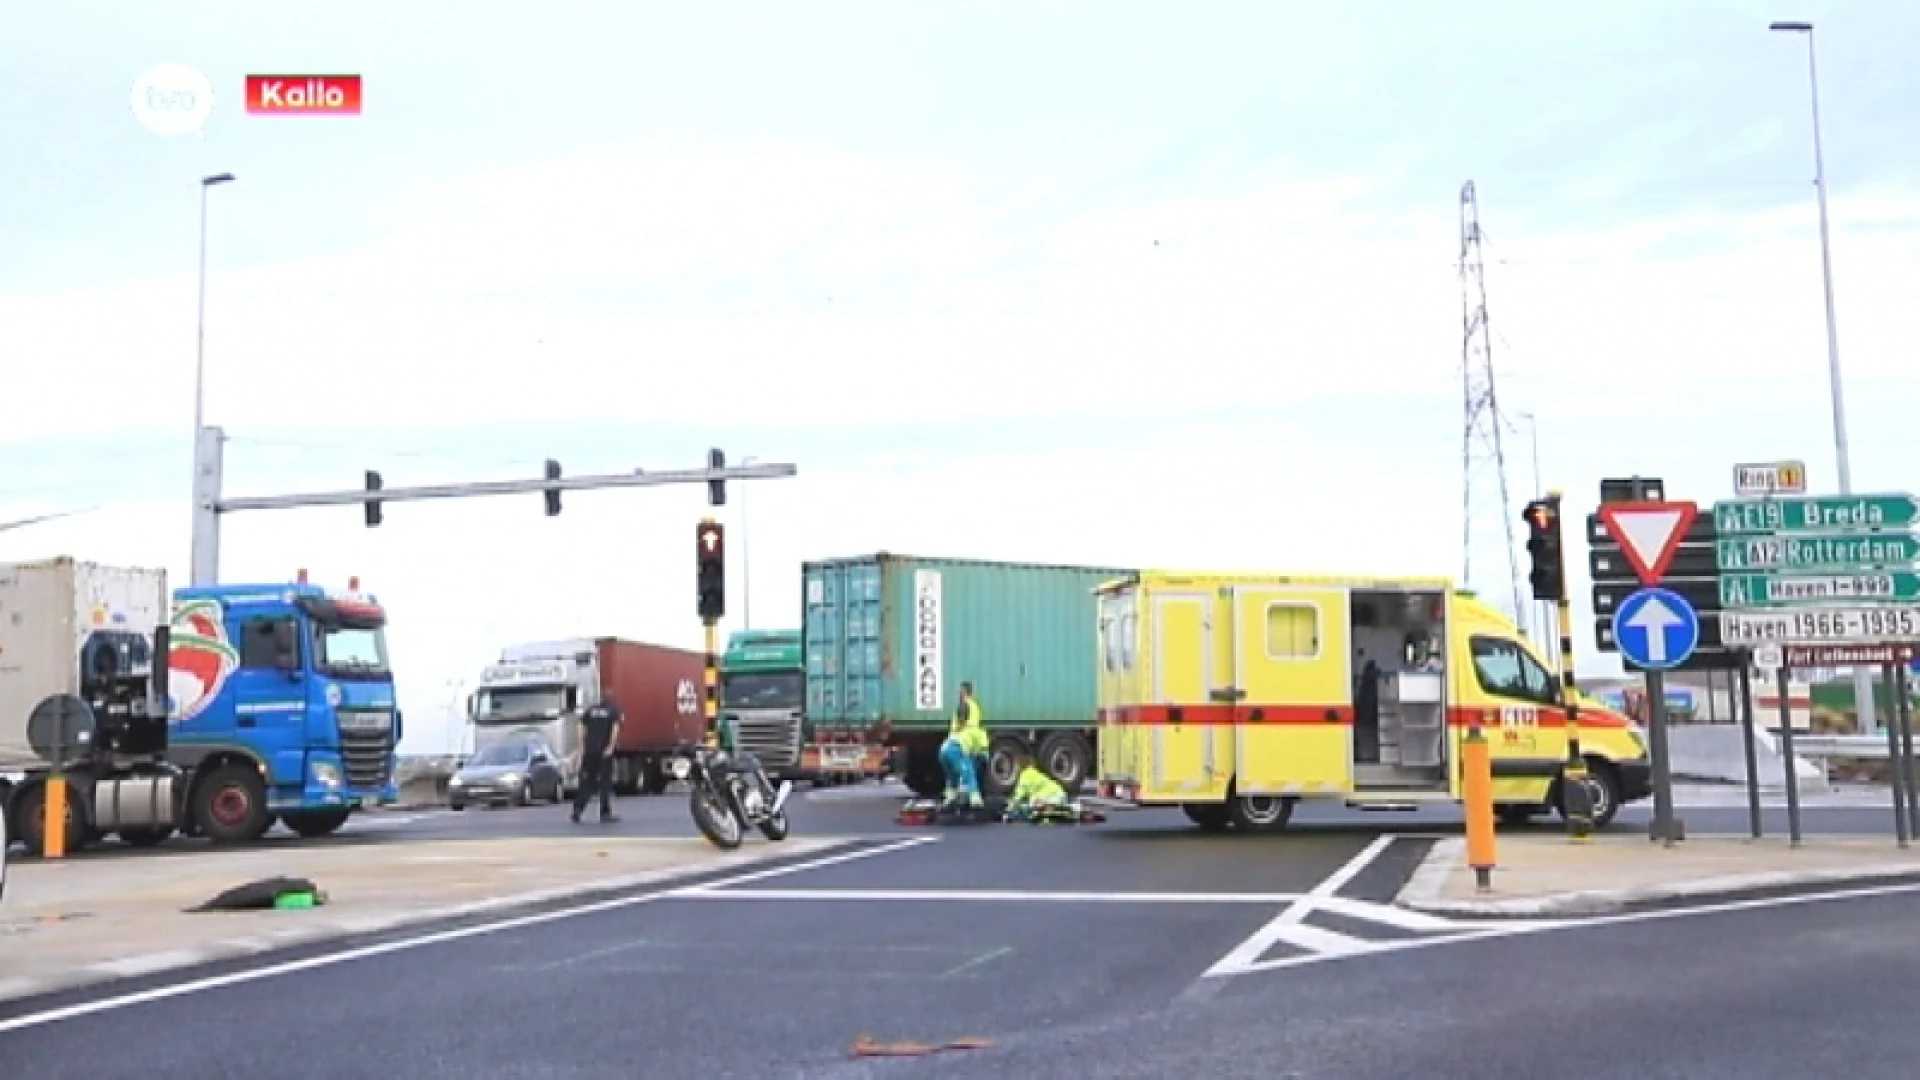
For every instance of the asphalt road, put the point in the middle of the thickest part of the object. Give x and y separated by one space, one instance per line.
1075 951
869 810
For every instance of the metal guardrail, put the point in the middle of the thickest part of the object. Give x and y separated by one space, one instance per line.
1866 747
428 766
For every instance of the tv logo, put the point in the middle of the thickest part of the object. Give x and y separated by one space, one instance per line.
172 99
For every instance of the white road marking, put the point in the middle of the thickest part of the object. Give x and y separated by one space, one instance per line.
971 896
1287 927
215 982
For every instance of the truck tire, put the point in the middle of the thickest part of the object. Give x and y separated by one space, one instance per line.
146 837
923 774
230 805
654 778
314 824
1066 757
30 817
1001 771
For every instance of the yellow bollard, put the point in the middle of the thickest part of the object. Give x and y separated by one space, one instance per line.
1477 782
54 846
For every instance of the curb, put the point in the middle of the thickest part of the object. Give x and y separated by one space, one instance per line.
1423 889
322 929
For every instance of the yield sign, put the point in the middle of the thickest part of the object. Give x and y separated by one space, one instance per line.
1648 533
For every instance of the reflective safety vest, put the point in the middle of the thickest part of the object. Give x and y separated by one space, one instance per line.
1036 788
972 732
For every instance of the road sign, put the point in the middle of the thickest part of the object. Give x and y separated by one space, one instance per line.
1769 658
1827 513
1822 626
1845 551
1772 478
1656 629
1778 590
1826 656
1648 533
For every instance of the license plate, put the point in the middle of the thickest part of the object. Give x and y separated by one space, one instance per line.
841 759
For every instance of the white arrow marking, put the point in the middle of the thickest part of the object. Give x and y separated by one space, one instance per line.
1654 619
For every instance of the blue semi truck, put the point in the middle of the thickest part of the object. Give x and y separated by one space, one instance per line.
280 705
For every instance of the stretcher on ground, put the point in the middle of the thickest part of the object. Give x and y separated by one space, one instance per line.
995 811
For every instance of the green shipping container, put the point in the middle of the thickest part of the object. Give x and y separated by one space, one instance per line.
890 638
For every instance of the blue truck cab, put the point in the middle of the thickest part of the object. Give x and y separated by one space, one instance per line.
282 708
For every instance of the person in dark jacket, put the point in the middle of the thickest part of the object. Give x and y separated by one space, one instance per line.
599 731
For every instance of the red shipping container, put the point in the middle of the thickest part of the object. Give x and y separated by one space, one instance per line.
660 692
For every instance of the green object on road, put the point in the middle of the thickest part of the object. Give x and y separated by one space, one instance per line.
1787 590
1843 551
1830 513
295 901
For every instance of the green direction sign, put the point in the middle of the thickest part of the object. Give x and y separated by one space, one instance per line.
1827 513
1787 590
1845 551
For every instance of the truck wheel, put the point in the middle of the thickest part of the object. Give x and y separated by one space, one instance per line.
1066 758
30 815
1211 817
1259 813
924 776
313 824
231 805
146 837
1001 772
654 779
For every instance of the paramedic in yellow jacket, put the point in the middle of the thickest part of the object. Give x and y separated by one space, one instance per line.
1034 789
966 742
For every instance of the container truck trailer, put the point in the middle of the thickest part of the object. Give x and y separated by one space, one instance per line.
890 638
537 690
275 703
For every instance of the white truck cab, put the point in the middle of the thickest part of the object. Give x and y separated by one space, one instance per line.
540 698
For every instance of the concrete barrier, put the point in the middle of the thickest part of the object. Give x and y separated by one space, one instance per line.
1714 752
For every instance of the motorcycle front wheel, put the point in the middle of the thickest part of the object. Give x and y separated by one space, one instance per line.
775 827
714 818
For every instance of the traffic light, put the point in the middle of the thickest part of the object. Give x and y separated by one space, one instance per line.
373 505
553 494
1543 543
716 489
712 561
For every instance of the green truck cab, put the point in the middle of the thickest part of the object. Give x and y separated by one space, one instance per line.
763 686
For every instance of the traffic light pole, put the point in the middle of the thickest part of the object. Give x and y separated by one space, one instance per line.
210 504
710 564
1544 523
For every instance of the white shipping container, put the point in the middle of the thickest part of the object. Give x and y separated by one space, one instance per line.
47 610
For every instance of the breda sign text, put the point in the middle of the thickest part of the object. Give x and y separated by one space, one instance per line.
333 95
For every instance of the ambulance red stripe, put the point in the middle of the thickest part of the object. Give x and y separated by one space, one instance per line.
1269 715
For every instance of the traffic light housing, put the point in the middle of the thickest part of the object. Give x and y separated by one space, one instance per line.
552 494
712 562
1542 517
373 505
716 489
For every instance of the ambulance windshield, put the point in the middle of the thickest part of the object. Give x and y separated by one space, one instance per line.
1506 670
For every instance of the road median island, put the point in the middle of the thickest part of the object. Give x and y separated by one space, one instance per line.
68 924
1546 876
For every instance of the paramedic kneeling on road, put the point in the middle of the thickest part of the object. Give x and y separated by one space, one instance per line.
965 742
1035 790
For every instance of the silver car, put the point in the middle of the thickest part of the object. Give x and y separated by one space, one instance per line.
515 773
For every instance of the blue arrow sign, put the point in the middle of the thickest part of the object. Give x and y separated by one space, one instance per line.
1656 629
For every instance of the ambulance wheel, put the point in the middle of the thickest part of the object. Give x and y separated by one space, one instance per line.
1065 757
1603 793
1258 813
1211 817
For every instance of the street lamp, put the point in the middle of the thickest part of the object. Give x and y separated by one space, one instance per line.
200 344
746 563
1545 607
1862 678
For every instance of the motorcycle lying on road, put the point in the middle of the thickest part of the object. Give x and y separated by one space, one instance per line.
729 794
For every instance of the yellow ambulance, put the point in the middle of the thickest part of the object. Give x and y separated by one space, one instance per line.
1235 696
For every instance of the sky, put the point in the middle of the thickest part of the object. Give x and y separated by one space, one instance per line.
1108 283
